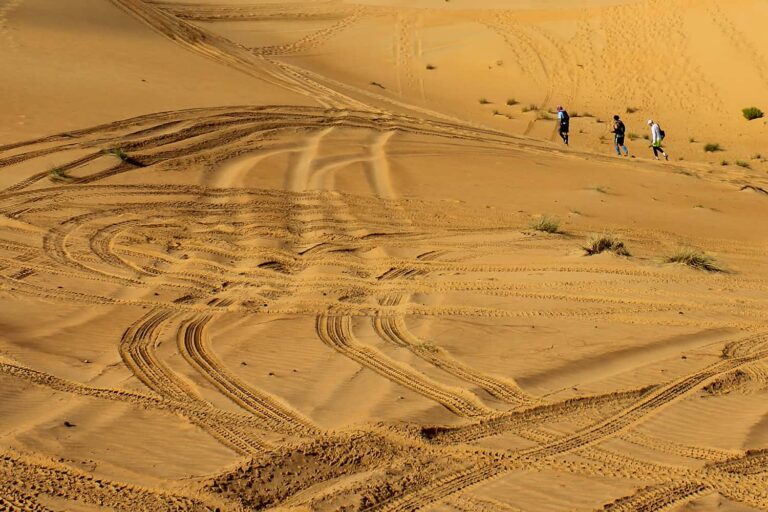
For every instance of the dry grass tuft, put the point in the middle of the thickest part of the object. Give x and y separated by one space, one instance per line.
546 224
605 242
695 259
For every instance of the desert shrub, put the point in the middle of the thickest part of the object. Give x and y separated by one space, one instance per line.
605 243
546 224
531 108
751 113
712 147
695 259
484 101
742 163
430 67
59 174
631 110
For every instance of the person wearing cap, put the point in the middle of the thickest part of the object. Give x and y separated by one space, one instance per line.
657 135
618 135
565 123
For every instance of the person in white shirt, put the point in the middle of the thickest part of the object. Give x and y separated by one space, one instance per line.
657 135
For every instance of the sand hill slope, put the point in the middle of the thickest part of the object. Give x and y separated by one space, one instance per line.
257 256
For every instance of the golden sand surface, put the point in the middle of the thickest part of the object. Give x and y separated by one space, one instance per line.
332 256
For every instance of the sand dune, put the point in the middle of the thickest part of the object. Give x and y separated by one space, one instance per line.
280 256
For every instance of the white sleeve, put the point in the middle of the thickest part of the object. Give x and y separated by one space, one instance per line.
655 133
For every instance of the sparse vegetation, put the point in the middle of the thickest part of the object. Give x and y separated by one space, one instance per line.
757 156
633 136
544 116
531 108
511 102
712 147
692 140
605 242
484 101
600 189
742 163
631 110
695 259
752 113
499 63
377 84
430 67
59 174
647 137
546 224
724 163
496 112
119 153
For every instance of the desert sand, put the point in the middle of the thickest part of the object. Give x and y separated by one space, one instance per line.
290 256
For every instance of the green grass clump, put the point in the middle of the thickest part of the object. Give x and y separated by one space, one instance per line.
546 224
59 174
605 243
512 102
752 113
712 147
694 259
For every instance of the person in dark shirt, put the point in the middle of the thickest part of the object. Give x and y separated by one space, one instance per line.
618 135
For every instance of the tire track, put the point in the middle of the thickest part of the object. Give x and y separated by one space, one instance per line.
335 330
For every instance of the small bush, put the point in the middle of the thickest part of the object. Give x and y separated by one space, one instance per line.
725 162
484 101
531 108
546 224
692 140
712 147
757 156
742 163
695 259
119 153
512 102
430 67
599 189
605 243
377 84
496 112
631 110
59 174
752 113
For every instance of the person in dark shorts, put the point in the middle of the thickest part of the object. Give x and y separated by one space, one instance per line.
565 123
618 135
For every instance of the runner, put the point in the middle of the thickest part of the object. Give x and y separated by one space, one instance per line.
618 135
565 123
657 135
